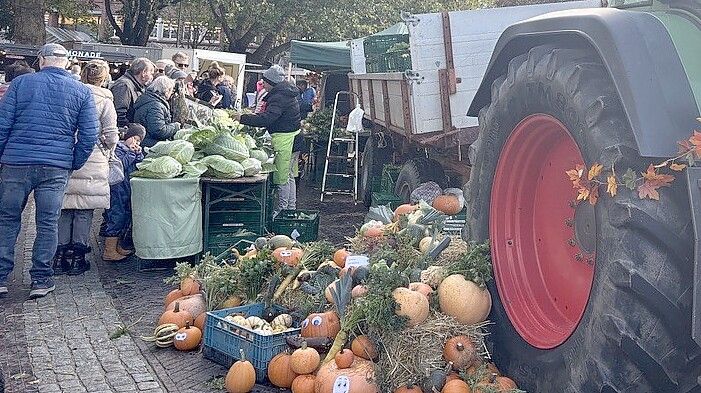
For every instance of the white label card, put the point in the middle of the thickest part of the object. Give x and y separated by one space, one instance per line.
357 261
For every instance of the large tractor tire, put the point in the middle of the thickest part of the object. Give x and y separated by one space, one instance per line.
586 298
415 172
377 153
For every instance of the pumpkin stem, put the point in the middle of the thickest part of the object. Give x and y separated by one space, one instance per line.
177 307
460 347
187 324
304 345
243 355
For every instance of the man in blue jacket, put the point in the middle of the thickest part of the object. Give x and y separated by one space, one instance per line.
48 128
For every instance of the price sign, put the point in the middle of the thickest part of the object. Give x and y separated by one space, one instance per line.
357 261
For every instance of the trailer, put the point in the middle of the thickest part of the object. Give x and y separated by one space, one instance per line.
418 114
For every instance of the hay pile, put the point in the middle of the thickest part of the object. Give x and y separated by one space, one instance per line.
455 250
406 357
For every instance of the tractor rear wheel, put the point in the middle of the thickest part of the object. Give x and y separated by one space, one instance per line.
586 298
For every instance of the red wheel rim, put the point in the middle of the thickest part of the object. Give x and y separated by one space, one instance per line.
542 273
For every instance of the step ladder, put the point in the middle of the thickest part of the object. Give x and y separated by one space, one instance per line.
348 160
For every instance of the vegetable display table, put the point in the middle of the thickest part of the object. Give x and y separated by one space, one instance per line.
234 210
167 217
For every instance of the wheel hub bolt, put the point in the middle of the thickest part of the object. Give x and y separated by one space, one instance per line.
571 242
569 222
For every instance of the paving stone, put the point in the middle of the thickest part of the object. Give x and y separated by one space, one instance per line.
147 385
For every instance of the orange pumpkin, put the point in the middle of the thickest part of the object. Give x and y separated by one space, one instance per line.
280 372
339 257
452 376
344 358
461 351
359 378
409 389
172 296
303 384
241 377
189 286
359 291
404 209
456 386
176 316
374 232
288 256
495 383
325 324
506 383
448 204
187 338
200 321
422 288
194 304
305 360
363 347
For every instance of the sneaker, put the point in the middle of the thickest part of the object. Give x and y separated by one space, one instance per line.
41 288
3 289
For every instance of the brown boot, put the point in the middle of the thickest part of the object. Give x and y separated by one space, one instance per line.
111 253
124 251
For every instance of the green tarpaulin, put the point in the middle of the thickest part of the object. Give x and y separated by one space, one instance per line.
321 56
167 217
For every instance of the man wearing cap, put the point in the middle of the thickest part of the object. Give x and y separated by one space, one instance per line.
281 119
129 87
48 128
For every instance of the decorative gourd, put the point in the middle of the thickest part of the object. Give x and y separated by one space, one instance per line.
255 322
325 324
404 209
426 244
232 301
339 257
241 377
172 296
280 372
456 386
344 358
422 288
448 204
359 291
239 320
464 300
163 335
187 338
303 384
461 351
284 320
305 360
327 291
359 378
189 286
278 241
288 256
194 304
409 389
411 304
175 316
363 347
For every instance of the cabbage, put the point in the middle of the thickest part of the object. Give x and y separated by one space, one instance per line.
228 147
220 167
251 166
165 167
181 150
250 142
194 169
259 155
203 137
183 133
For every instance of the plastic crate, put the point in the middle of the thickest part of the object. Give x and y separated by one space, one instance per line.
390 173
379 44
220 242
382 199
308 228
223 339
388 62
455 224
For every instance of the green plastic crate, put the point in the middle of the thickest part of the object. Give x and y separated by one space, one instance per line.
388 62
382 199
379 44
455 224
287 222
390 173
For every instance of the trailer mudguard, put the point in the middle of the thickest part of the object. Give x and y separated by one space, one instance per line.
639 55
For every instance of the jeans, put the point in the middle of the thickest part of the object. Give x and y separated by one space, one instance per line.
74 226
16 183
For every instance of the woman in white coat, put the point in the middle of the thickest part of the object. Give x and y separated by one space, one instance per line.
88 188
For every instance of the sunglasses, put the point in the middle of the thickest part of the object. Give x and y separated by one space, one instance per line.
180 65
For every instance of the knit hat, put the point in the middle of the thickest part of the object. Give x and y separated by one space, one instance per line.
274 75
134 129
176 74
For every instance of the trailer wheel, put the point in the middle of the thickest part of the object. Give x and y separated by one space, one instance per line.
377 153
586 298
417 171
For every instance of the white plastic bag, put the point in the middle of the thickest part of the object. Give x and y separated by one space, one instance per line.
355 119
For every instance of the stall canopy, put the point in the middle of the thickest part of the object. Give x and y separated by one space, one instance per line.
321 56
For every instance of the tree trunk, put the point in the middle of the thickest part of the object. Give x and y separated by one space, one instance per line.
28 22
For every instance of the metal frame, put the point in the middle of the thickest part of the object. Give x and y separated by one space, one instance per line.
693 175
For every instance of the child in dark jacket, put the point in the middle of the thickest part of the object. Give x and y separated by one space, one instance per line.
118 216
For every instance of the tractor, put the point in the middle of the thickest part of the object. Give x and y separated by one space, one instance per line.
601 297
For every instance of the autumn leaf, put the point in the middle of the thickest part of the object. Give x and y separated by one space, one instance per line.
677 167
684 147
594 196
612 185
629 179
695 141
583 194
657 179
595 170
648 190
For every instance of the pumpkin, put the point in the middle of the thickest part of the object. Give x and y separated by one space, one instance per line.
456 386
344 358
374 232
200 321
492 368
172 296
189 286
305 360
363 347
359 291
175 316
163 335
359 378
303 384
495 383
241 377
464 300
422 288
187 338
194 304
324 324
409 389
427 244
461 351
327 292
288 256
404 209
280 373
448 204
339 257
278 241
283 320
452 376
232 301
411 304
255 322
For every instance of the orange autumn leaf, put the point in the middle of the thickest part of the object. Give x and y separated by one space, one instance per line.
583 194
677 167
611 185
648 190
595 171
695 141
594 196
657 179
